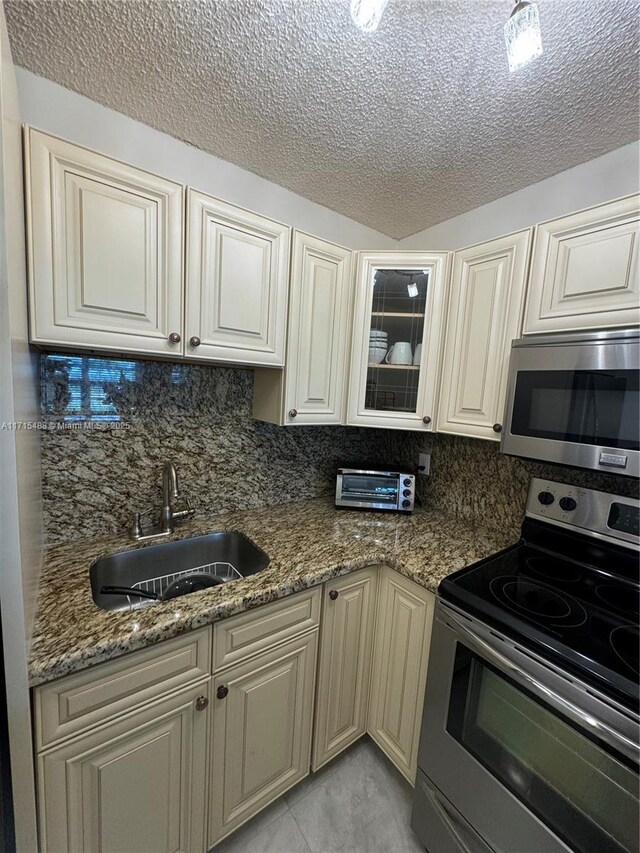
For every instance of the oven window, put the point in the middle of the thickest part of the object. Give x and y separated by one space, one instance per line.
374 487
584 793
599 407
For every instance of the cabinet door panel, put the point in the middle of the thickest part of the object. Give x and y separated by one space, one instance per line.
398 316
584 273
345 663
399 672
105 251
261 732
237 307
313 386
134 786
237 276
320 314
485 308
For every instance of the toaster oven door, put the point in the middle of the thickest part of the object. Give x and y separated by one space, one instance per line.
368 489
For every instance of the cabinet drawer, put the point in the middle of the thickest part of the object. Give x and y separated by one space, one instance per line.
80 701
248 633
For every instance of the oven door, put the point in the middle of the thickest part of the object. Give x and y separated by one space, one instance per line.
576 401
529 760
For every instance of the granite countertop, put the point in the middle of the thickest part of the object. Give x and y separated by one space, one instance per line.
308 542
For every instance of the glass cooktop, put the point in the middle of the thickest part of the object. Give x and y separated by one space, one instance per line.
582 614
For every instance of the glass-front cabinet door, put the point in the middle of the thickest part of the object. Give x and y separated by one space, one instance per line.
398 318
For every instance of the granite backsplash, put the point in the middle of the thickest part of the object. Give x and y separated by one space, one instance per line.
112 423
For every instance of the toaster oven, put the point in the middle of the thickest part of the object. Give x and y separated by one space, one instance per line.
375 488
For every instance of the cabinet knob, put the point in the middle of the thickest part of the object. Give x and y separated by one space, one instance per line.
174 338
497 427
293 413
194 341
333 594
201 703
426 419
222 691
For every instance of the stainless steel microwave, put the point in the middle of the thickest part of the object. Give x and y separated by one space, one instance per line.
574 399
375 488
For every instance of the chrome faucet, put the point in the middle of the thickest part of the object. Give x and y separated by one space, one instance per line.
170 493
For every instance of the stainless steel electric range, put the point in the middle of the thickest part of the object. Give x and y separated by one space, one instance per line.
530 731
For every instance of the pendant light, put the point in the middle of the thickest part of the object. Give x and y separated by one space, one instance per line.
366 14
522 35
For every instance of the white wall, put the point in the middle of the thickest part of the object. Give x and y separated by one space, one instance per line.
20 503
52 108
611 176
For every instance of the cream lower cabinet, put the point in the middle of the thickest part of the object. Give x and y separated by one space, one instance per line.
584 272
149 753
236 283
312 387
122 752
261 734
399 671
135 784
346 640
486 299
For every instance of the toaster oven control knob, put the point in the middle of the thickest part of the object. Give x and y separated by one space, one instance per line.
406 482
568 504
406 504
407 493
546 498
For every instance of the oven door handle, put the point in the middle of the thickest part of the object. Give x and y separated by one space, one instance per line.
462 835
604 731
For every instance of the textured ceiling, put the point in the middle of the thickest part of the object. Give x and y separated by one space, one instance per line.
399 129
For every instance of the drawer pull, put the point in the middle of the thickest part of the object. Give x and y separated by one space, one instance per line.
426 419
497 427
201 703
333 594
175 338
222 691
194 341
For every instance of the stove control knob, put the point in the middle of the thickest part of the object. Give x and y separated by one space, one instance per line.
568 504
546 498
406 504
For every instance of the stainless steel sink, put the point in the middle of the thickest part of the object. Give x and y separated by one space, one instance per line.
227 555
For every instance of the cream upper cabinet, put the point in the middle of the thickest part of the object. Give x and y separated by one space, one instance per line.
486 301
399 311
311 390
346 640
136 785
236 284
261 736
399 671
105 251
584 273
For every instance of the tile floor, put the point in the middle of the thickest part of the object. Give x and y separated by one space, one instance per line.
358 803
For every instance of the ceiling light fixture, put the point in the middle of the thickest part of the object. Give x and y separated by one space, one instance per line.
366 14
522 35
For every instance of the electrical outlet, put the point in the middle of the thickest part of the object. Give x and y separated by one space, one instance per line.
424 464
